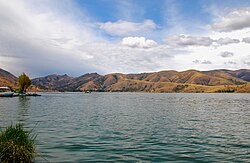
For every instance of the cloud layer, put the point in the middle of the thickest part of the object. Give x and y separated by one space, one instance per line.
235 20
44 37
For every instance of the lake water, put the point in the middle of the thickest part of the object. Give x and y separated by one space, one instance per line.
135 127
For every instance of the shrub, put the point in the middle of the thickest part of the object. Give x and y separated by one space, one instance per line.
16 144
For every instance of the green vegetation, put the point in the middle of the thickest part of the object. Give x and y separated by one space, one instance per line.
24 82
16 144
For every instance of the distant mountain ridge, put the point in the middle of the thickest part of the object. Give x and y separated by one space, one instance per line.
163 81
221 80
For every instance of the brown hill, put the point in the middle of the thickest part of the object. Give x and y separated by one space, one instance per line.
163 81
243 74
54 82
76 83
228 78
188 77
7 79
63 82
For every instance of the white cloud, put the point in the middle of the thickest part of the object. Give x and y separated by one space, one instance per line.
126 28
235 20
139 42
183 40
246 40
226 54
226 41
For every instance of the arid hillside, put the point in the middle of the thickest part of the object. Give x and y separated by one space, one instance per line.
163 81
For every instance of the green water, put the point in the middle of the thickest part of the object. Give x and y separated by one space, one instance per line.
135 127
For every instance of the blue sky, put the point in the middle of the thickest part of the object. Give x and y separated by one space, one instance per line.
129 36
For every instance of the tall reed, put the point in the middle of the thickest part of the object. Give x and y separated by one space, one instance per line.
17 144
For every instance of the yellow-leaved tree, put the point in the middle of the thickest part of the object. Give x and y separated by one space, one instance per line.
24 82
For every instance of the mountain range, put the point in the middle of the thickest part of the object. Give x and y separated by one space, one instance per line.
221 80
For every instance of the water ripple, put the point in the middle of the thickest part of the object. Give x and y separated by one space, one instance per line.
135 127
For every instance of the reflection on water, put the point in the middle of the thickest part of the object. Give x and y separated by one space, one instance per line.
24 102
23 109
136 127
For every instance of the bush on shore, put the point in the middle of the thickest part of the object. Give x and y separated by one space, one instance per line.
16 144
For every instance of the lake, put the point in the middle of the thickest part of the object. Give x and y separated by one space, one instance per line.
135 127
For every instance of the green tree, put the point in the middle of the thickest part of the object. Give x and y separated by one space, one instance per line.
24 82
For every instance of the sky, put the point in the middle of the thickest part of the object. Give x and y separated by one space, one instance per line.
74 37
